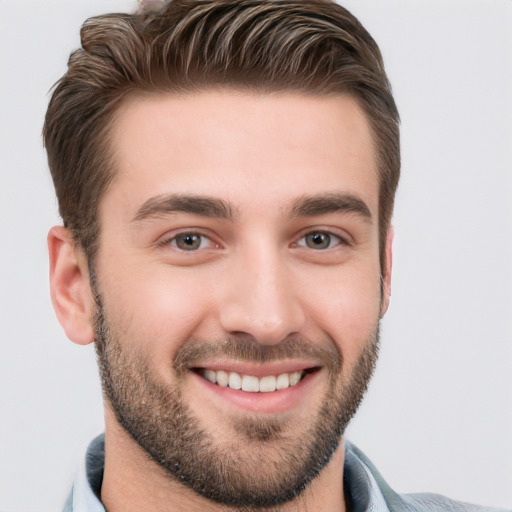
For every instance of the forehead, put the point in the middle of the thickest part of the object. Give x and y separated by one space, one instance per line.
244 147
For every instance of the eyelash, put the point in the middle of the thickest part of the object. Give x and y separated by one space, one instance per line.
172 241
340 240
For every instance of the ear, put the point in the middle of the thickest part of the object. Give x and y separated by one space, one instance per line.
386 272
70 287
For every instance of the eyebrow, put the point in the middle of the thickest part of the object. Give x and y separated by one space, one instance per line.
332 202
204 206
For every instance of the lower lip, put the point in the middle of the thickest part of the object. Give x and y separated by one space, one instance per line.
275 402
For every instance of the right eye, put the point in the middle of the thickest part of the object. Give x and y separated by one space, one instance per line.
189 242
320 240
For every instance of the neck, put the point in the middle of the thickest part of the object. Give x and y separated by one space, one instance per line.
133 483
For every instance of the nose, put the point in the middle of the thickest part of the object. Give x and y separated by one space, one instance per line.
261 299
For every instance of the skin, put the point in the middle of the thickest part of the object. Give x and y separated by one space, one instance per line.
253 275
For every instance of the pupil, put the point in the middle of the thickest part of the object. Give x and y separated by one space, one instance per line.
318 240
188 242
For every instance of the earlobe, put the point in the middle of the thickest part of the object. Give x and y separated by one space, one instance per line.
386 272
70 287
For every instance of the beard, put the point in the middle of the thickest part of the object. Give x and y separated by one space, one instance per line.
267 460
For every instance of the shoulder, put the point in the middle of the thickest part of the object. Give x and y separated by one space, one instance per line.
424 502
427 502
68 506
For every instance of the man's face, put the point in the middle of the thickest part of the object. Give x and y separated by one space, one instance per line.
239 247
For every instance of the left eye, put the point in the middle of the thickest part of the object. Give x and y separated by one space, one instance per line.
190 242
319 240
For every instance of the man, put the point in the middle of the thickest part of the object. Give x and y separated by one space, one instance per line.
226 173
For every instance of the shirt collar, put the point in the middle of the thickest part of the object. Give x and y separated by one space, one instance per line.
360 485
87 485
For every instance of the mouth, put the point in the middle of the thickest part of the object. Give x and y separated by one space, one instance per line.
275 388
252 383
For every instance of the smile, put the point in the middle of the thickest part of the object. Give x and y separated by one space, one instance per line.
250 383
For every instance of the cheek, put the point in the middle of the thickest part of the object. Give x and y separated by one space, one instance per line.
347 308
156 310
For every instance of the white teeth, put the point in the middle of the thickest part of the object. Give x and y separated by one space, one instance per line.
295 378
235 381
252 384
222 378
283 381
268 384
210 375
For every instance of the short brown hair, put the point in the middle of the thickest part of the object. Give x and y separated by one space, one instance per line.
312 46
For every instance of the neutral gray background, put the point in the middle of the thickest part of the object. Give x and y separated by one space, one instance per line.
438 416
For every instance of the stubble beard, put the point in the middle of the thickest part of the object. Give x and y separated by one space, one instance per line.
268 461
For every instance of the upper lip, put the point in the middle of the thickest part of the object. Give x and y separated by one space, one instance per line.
257 369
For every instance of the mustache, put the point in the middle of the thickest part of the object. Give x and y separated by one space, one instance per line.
247 349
